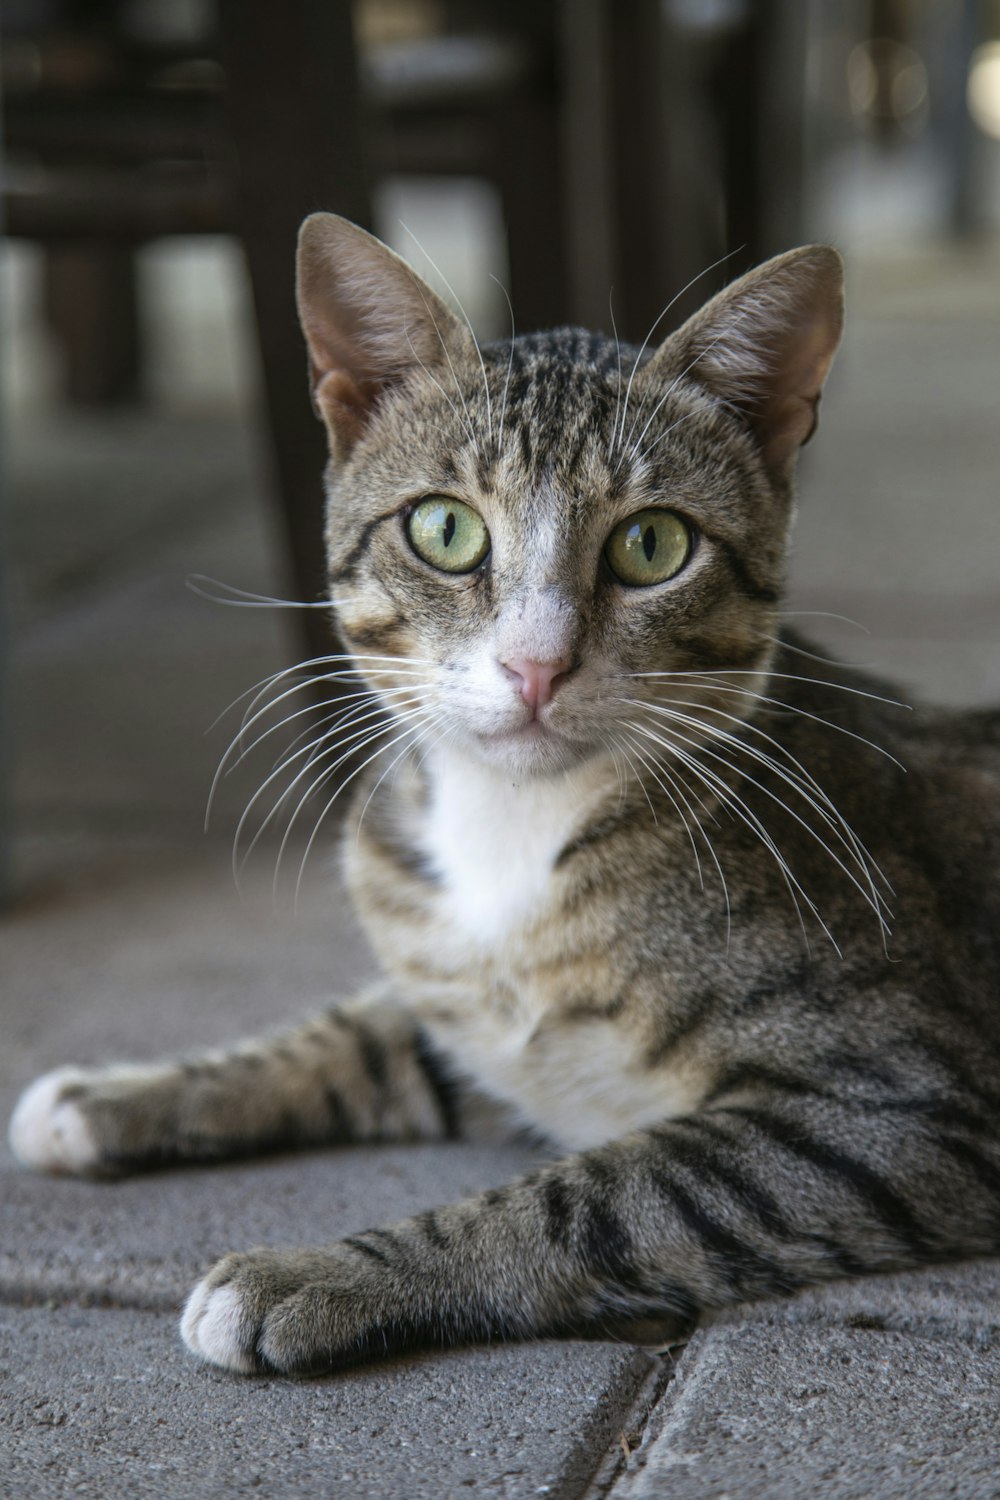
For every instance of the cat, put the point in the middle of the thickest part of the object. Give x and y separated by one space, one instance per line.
716 917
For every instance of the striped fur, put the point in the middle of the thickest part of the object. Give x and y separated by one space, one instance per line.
653 920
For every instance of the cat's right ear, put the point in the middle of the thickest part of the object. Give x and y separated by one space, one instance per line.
368 320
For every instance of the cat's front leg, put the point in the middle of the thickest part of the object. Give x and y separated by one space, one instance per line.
702 1212
361 1073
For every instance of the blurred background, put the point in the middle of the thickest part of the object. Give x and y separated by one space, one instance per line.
156 158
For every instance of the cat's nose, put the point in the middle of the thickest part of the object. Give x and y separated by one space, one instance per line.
537 680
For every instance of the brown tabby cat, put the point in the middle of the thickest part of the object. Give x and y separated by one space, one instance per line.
631 872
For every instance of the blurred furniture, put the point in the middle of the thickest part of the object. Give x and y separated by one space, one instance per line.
580 111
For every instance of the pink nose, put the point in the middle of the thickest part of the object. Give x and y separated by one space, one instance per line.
537 680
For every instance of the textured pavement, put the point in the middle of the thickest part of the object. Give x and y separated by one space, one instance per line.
127 938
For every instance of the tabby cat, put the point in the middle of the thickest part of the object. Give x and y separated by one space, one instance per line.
715 916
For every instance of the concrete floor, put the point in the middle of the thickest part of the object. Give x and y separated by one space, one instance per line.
125 936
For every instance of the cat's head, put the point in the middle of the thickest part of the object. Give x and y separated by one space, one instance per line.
519 535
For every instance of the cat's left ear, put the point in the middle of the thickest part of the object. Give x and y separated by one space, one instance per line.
764 346
369 320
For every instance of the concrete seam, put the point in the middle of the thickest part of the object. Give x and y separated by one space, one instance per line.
615 1464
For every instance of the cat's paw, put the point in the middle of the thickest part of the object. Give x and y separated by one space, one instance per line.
49 1130
295 1312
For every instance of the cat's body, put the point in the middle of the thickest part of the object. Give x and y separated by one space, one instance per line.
628 854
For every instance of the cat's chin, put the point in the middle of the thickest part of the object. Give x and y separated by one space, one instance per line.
532 750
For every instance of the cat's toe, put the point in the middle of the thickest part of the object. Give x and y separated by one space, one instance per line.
224 1315
294 1312
217 1325
48 1129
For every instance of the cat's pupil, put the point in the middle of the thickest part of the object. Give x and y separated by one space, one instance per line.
649 543
449 528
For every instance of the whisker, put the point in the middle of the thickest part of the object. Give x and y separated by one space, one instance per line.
343 785
466 421
783 676
254 717
348 745
864 856
675 783
828 813
392 767
618 394
482 364
201 584
655 325
510 363
634 445
875 904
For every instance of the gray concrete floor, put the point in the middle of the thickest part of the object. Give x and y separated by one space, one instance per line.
125 936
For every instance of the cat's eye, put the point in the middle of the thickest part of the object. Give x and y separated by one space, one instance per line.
448 534
648 547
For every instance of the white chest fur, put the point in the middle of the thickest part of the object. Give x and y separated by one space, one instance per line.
494 843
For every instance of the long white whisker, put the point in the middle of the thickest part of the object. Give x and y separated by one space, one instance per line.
736 804
721 760
841 687
348 745
253 715
201 583
510 363
645 343
618 393
316 827
431 724
261 687
482 364
828 813
343 712
864 855
676 784
634 444
465 420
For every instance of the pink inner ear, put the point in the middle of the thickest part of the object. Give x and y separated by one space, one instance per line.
786 425
789 416
343 403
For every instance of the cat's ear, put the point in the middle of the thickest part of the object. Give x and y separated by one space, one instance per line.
765 344
368 320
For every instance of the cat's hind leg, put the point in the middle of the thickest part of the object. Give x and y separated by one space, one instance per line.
361 1073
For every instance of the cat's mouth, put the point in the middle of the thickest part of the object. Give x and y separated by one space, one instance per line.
533 746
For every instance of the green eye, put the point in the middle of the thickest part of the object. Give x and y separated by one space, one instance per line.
648 548
448 534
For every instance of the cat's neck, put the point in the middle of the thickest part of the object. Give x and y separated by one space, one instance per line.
494 840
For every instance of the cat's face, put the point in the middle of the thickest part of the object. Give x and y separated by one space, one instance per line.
516 537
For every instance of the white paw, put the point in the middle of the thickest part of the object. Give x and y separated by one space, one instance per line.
214 1325
49 1132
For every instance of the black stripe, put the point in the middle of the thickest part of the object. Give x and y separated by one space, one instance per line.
447 1093
987 1172
341 1128
759 1201
374 1056
586 840
757 1076
381 634
884 1202
365 1249
604 1241
933 1108
702 1161
347 567
751 587
682 1028
677 1298
429 1226
739 1260
558 1205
